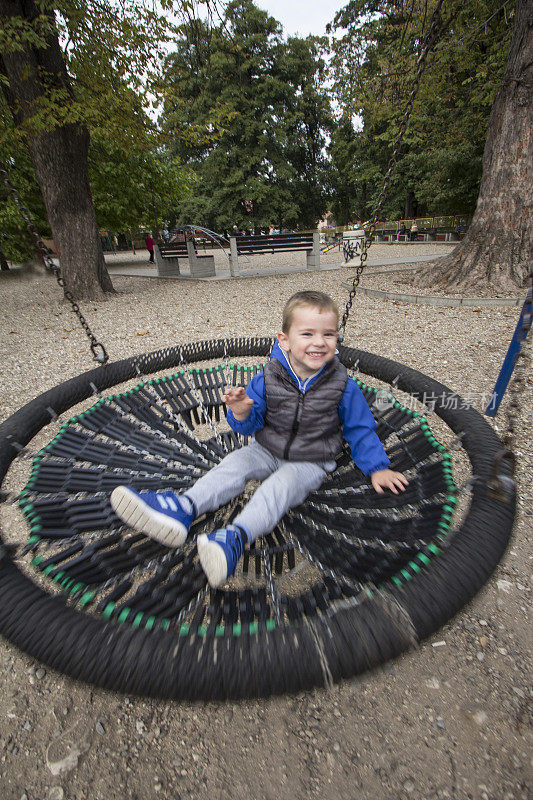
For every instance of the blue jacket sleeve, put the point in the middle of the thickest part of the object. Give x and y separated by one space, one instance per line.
359 430
256 418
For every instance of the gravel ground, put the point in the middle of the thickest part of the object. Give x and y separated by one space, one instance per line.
449 720
267 260
332 257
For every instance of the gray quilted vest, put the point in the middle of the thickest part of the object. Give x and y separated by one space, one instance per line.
303 427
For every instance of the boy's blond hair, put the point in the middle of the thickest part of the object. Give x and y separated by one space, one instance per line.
309 298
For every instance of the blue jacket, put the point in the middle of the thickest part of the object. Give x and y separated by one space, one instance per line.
358 424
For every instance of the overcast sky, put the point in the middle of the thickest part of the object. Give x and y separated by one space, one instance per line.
302 16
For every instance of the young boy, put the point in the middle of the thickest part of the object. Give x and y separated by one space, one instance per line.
299 409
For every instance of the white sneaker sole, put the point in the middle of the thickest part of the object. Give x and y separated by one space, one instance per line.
137 514
213 561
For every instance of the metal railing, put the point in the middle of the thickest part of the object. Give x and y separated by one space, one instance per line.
425 223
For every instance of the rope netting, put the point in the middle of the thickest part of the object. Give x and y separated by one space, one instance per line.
345 554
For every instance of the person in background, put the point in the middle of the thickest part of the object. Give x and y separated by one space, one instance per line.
149 242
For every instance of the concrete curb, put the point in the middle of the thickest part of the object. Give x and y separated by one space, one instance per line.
438 300
144 271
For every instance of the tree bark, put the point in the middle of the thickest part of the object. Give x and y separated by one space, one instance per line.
4 266
411 205
364 202
498 247
59 155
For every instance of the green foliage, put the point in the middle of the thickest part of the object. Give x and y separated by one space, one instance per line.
111 72
137 187
112 57
15 240
262 101
246 115
373 65
348 184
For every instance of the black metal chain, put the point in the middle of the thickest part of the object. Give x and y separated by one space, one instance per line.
505 460
98 350
430 42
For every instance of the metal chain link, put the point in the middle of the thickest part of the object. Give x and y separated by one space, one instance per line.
98 350
430 41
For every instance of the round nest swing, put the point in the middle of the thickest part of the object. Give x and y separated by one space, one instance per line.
348 580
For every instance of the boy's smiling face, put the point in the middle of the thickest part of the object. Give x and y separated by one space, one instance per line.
311 340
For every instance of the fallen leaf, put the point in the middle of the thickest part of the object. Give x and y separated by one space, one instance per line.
13 332
142 333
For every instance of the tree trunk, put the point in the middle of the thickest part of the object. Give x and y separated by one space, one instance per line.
411 205
363 210
59 156
498 247
4 266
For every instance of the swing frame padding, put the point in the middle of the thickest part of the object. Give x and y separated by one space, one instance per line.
350 639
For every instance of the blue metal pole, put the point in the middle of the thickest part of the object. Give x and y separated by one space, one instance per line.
519 336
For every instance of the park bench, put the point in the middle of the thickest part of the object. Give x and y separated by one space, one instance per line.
167 255
450 234
448 228
275 243
385 234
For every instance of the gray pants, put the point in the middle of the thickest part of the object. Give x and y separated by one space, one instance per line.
285 484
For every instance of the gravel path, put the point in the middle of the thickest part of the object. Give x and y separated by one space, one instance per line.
265 260
449 720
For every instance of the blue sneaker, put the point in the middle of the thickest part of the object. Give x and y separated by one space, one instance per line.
158 514
219 553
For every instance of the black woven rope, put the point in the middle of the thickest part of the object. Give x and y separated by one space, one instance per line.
338 635
358 537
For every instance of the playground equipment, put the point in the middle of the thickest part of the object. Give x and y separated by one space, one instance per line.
345 582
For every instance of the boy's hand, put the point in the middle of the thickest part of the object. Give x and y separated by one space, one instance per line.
388 479
239 402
